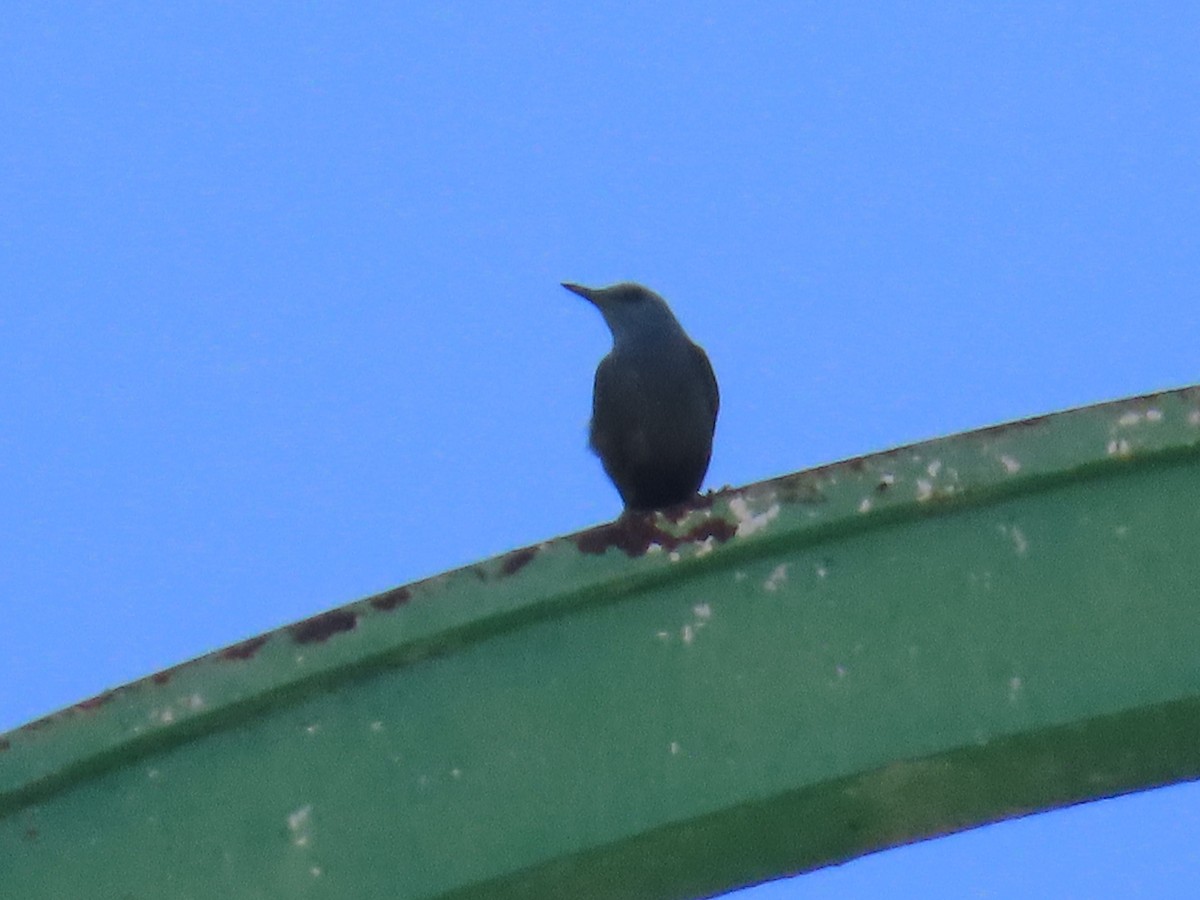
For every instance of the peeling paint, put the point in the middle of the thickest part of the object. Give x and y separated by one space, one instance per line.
299 824
637 534
1014 688
1020 542
747 522
777 577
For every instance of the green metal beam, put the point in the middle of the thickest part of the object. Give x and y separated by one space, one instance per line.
799 672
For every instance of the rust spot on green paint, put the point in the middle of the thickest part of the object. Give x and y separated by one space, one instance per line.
95 702
245 649
517 560
635 533
321 628
389 600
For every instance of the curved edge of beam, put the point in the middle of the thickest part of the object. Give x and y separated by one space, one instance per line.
845 659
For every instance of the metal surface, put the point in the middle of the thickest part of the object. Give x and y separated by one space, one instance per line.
800 672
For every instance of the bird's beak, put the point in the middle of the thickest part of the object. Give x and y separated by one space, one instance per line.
586 293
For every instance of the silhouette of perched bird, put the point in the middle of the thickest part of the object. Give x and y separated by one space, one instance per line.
655 400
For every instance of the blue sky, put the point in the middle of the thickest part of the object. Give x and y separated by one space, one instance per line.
280 323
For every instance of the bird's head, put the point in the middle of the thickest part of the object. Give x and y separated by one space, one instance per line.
633 313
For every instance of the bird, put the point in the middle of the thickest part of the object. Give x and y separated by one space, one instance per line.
654 400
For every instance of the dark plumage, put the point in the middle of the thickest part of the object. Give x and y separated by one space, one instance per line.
654 406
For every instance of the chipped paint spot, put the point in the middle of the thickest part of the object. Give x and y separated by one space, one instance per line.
777 577
1119 448
456 774
1020 542
1194 417
840 671
321 628
1130 418
299 823
153 774
1014 688
517 560
637 535
312 729
1011 466
706 546
244 650
663 635
674 556
389 600
377 726
924 490
1154 415
740 576
687 634
933 468
315 871
702 611
674 748
864 505
96 702
749 523
1121 530
886 480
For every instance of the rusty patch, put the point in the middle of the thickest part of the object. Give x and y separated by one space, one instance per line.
322 627
389 600
243 650
161 677
634 533
517 560
801 489
95 702
718 529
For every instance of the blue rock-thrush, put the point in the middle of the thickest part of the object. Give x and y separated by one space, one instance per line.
655 399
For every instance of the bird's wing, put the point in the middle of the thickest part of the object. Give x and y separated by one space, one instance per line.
714 393
611 389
